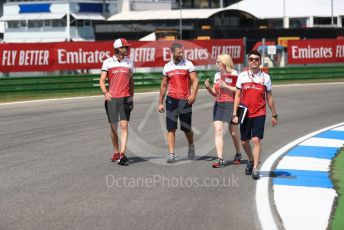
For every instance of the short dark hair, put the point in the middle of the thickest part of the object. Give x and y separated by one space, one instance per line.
175 46
255 52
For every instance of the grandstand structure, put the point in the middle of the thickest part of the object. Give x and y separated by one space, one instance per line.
90 20
53 20
2 24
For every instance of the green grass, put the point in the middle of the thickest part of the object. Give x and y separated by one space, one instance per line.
12 97
337 174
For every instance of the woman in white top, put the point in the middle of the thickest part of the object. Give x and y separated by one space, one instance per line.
223 90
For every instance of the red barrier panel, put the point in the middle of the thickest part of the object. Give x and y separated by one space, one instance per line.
90 55
315 51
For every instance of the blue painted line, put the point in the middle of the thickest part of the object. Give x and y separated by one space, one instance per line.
302 178
313 151
332 134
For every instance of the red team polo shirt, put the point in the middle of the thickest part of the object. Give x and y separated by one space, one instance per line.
254 88
179 78
224 95
119 75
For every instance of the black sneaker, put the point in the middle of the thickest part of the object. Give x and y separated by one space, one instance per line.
237 159
255 174
249 168
191 152
122 159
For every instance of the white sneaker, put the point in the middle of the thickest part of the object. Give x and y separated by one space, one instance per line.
171 158
255 174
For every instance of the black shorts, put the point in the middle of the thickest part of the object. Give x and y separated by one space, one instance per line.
178 108
223 111
118 109
252 127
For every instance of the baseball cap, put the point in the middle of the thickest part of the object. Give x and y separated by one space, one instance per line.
120 42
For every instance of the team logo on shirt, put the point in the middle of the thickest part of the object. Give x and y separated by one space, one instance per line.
253 86
117 71
173 73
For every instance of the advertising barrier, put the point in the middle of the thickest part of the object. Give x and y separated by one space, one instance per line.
22 57
317 51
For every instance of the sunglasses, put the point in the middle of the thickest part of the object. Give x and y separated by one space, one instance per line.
254 59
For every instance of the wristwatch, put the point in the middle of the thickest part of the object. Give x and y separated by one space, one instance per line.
274 116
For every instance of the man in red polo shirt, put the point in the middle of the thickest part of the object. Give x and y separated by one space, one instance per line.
253 90
178 76
118 70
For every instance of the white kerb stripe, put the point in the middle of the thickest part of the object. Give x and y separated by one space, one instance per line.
265 215
304 207
339 129
304 163
323 142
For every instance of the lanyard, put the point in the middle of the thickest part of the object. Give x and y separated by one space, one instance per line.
249 76
116 59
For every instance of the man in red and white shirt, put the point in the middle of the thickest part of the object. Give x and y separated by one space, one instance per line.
180 78
253 90
118 70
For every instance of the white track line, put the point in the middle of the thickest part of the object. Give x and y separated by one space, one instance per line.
64 98
264 210
147 93
45 100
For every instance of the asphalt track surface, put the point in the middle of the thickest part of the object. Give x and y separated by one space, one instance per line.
55 169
